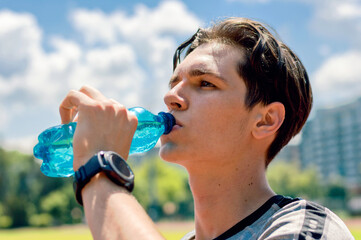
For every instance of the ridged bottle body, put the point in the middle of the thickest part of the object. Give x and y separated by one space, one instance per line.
55 145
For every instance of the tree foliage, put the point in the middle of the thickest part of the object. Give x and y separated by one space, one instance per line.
162 189
288 178
29 198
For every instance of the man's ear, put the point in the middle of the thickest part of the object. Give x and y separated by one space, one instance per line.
269 120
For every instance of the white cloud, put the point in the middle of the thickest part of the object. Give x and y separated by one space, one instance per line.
128 57
115 71
113 59
20 37
4 119
23 144
338 79
149 32
324 50
338 19
69 50
336 10
250 1
170 17
94 25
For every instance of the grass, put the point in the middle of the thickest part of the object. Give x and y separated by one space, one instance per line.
356 233
83 233
68 233
60 233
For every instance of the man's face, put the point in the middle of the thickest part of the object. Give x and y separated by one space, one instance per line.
206 97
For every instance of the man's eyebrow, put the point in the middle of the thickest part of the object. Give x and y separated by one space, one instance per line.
203 71
173 80
197 72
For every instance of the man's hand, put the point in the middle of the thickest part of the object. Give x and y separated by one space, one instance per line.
103 124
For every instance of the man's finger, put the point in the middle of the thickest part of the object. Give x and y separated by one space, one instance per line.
68 108
92 93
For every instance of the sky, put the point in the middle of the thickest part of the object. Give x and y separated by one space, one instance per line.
125 49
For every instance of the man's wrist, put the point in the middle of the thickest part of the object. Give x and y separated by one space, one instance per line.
111 164
101 181
79 161
101 187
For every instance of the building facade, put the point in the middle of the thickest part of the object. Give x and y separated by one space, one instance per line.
331 141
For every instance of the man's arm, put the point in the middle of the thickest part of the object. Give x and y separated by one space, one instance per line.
113 213
105 125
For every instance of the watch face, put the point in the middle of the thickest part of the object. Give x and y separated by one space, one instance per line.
120 166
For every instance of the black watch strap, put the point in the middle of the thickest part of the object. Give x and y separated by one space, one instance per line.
84 175
114 167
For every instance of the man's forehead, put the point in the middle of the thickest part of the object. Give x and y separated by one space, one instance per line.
208 57
202 63
202 57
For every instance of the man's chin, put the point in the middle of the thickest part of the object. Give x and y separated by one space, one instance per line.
169 152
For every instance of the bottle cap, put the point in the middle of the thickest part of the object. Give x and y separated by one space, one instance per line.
169 121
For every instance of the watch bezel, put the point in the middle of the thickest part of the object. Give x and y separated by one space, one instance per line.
103 161
111 169
111 157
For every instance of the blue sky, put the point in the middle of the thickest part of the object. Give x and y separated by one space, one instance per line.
125 49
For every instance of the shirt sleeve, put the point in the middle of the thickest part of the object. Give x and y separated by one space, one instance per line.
305 220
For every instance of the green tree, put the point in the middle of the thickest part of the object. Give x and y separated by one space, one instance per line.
29 197
15 191
336 194
287 178
162 188
5 221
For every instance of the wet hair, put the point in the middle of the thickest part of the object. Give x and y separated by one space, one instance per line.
272 72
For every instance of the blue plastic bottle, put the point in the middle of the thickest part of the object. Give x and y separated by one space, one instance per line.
55 145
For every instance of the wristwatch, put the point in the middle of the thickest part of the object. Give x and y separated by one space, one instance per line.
114 167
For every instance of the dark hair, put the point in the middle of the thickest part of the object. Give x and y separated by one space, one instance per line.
272 72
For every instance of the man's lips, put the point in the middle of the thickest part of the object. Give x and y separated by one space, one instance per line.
177 124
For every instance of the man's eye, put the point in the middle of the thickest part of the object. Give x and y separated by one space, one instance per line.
206 84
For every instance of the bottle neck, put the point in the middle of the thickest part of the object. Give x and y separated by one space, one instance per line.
169 121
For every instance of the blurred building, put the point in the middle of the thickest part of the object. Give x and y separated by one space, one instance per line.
290 153
331 141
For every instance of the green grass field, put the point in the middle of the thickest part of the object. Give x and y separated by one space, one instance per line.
61 233
67 233
356 232
83 233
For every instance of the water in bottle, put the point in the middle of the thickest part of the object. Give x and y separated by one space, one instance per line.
55 145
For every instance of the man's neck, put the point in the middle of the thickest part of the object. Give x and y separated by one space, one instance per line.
225 195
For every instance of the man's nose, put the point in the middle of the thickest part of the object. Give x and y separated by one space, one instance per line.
175 98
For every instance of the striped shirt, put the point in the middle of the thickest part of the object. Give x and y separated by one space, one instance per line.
287 218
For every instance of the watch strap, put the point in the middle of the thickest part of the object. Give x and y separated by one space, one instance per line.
114 167
85 174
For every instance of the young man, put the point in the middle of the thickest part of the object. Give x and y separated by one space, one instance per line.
238 97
